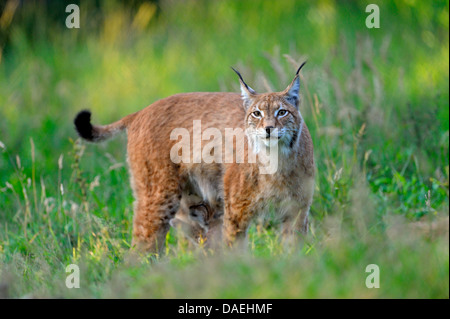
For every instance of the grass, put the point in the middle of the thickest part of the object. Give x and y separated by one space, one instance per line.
376 103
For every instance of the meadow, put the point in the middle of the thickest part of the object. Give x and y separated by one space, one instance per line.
375 100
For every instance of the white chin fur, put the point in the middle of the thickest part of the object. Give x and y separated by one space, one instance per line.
270 141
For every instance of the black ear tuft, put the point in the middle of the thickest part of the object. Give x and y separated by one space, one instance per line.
83 125
240 77
241 80
301 66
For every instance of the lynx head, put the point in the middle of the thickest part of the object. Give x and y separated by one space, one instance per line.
273 118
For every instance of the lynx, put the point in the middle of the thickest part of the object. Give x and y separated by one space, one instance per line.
229 194
194 216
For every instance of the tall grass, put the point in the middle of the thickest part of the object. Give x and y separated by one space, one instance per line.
376 103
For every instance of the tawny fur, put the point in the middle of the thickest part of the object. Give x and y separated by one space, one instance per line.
233 193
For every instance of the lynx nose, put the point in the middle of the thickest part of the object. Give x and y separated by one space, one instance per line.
268 129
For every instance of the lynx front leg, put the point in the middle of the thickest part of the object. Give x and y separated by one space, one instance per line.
236 220
214 234
295 223
238 207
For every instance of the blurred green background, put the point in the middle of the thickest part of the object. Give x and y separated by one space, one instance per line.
375 100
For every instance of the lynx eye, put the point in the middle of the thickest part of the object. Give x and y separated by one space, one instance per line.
282 113
256 114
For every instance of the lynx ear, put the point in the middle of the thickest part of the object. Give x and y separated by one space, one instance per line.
292 92
247 92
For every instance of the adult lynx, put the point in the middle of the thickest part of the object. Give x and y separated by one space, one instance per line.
235 191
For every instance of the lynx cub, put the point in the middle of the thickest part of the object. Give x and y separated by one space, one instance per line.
233 192
194 216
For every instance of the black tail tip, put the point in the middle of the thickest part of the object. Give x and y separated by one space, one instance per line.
83 125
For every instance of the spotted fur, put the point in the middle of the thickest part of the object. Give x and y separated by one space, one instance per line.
229 195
